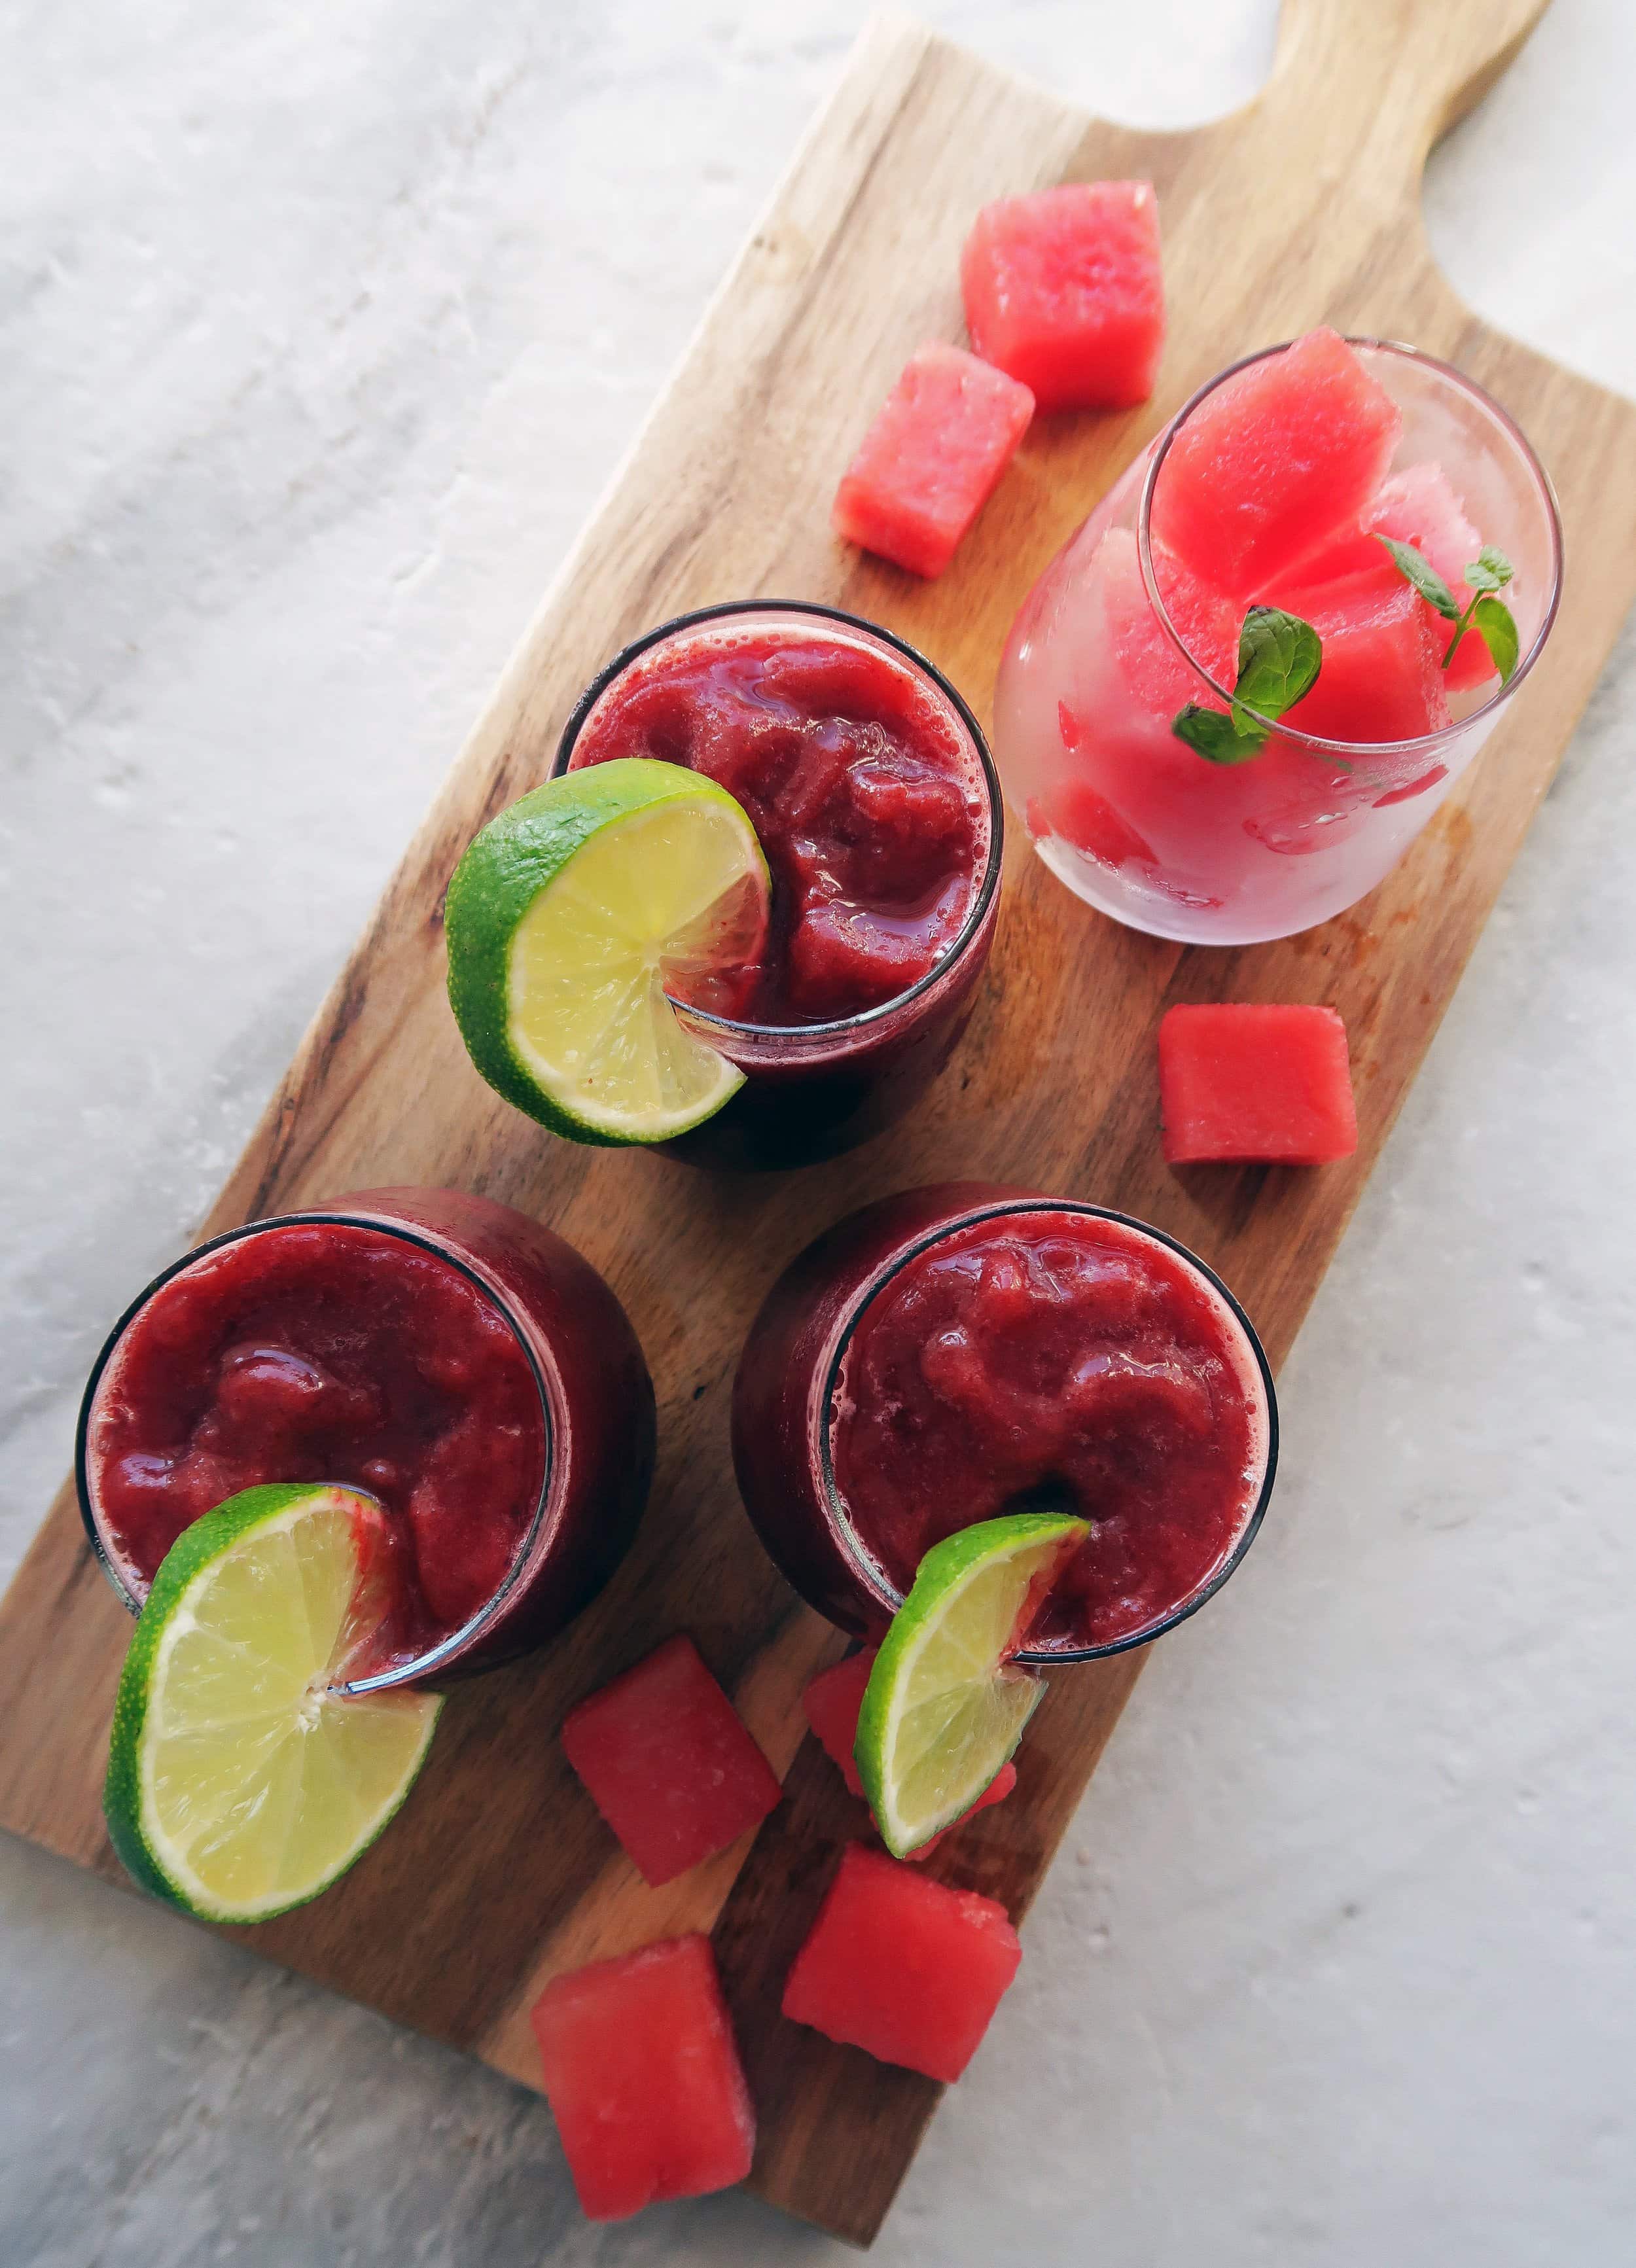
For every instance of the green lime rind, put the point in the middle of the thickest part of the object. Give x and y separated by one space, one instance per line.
193 1553
943 1713
504 868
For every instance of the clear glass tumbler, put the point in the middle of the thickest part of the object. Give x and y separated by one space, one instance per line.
812 1089
1140 825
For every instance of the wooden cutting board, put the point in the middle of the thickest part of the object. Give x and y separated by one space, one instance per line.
1299 209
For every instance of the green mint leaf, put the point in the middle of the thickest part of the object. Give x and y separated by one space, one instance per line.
1498 626
1423 576
1216 737
1279 659
1490 570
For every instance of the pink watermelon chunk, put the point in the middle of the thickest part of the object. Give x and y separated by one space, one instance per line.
1273 463
929 461
832 1702
1065 291
1078 815
643 2078
1205 620
1418 506
903 1967
668 1763
1244 1080
1381 678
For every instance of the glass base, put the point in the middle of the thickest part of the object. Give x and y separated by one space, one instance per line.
1157 913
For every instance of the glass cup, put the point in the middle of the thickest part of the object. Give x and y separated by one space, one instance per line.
813 1090
790 1379
596 1403
1140 826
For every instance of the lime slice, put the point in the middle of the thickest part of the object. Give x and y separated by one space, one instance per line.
569 920
942 1711
240 1781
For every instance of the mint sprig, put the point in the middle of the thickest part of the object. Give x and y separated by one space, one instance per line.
1279 657
1489 616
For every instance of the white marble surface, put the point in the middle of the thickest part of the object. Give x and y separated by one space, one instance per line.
323 326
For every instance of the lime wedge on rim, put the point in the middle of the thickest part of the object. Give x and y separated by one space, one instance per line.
572 916
943 1711
241 1782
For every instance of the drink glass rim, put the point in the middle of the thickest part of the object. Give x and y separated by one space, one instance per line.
448 1648
1317 743
864 1018
840 1522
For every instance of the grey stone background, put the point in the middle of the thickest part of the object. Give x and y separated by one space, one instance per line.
322 327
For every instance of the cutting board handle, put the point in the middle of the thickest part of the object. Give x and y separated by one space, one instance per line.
1387 78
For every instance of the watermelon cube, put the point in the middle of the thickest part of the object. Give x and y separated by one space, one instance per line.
903 1967
1273 462
1244 1080
1065 291
1204 618
643 2078
668 1763
1073 811
929 461
832 1702
1382 677
1418 506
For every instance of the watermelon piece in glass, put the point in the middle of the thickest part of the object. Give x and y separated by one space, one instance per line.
1418 506
1078 814
1064 289
668 1763
1382 677
903 1967
643 2075
1255 1081
929 461
832 1701
1205 620
1274 462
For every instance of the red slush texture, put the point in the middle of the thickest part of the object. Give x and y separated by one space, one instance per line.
1273 462
832 1701
1248 1080
328 1352
668 1763
903 1967
867 803
932 459
1064 289
643 2076
1060 1353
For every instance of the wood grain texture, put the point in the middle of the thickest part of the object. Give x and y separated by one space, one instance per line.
1302 206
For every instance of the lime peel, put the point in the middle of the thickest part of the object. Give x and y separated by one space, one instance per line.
242 1779
944 1710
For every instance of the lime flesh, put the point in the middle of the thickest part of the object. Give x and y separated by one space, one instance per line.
577 917
242 1780
943 1711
